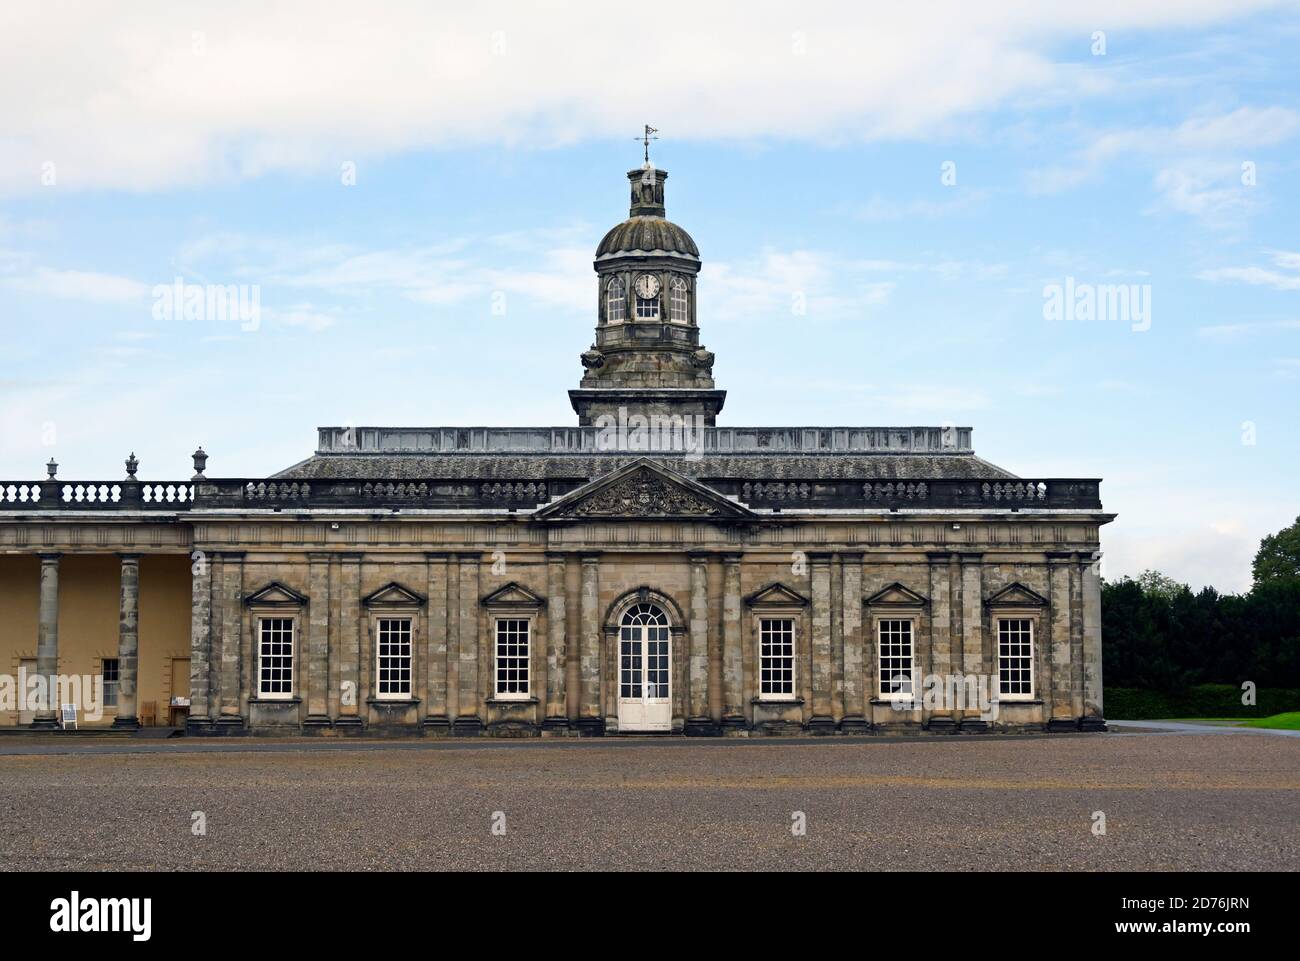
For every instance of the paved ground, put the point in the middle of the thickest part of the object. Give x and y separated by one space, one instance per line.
1172 801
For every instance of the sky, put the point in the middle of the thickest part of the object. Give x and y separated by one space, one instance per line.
887 198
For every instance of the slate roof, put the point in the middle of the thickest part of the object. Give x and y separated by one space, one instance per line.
766 467
648 233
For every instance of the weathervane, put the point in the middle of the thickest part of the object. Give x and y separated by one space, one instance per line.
646 137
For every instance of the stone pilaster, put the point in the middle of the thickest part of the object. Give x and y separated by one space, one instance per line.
200 716
468 722
128 642
941 616
972 633
47 643
822 720
231 599
698 720
437 720
733 664
318 641
556 720
1093 715
1061 716
590 720
349 628
854 720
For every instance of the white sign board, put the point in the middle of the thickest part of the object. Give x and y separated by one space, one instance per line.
69 716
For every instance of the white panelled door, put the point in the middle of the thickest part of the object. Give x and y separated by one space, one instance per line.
644 670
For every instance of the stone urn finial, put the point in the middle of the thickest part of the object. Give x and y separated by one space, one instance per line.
200 462
132 465
51 468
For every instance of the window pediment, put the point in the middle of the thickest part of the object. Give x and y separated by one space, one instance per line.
774 595
896 596
513 597
393 595
1016 595
275 595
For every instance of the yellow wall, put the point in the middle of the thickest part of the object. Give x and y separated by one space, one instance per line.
88 619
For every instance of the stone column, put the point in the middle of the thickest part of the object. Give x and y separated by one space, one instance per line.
318 641
348 656
128 642
822 721
200 717
231 598
47 644
1061 716
972 633
733 661
556 720
698 721
468 723
854 720
1093 715
590 720
941 646
437 720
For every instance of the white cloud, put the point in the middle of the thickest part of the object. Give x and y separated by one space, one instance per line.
1284 274
79 285
155 95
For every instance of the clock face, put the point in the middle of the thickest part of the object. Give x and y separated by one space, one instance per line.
647 287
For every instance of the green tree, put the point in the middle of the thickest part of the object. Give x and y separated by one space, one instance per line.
1279 555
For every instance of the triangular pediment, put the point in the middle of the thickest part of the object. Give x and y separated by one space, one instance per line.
644 488
1016 595
514 596
896 595
776 595
393 594
275 594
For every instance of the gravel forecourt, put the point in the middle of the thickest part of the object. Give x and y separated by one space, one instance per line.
1171 801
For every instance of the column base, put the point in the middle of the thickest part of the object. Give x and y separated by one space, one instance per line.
198 725
1092 724
466 727
315 723
436 725
555 727
229 724
46 724
854 724
349 724
733 725
821 724
974 725
590 726
701 727
1062 725
941 725
126 723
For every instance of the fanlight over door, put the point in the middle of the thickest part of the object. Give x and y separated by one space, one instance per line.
644 670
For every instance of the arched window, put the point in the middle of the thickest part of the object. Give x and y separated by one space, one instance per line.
643 653
678 301
615 301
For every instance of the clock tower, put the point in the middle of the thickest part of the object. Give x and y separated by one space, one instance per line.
647 358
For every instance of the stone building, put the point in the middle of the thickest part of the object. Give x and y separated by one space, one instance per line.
643 571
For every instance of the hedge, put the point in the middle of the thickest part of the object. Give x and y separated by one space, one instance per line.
1201 700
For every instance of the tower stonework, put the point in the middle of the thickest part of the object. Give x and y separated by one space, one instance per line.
647 358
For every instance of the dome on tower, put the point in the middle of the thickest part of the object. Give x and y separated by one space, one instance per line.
646 234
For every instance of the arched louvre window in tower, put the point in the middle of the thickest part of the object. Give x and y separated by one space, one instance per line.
678 310
615 301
